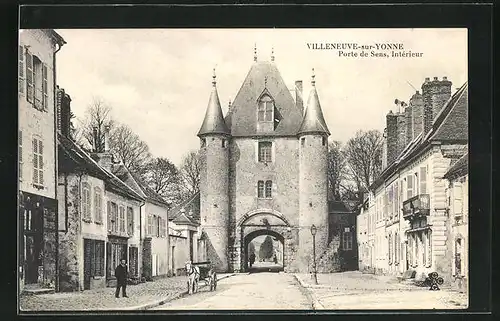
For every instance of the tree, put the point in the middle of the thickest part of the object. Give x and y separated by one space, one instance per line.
363 153
266 248
164 178
97 116
251 249
129 148
336 169
190 169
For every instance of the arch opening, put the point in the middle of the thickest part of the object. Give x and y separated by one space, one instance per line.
268 247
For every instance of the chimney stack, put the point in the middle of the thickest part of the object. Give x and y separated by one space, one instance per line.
392 137
299 101
106 139
435 94
64 112
416 105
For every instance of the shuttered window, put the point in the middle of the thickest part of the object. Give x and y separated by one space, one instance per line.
389 247
20 155
98 205
130 221
109 215
29 77
122 219
37 162
86 213
21 70
457 199
423 180
113 218
45 97
409 186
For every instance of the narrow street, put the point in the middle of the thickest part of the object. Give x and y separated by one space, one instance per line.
257 291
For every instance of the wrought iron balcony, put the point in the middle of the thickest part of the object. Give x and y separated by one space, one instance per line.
416 206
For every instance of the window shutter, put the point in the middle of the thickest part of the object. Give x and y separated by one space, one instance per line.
130 220
423 180
45 87
21 69
109 216
409 181
429 249
457 196
40 162
29 77
35 161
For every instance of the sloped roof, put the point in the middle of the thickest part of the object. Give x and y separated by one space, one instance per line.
450 125
337 207
147 191
460 167
76 154
191 205
213 123
313 121
242 118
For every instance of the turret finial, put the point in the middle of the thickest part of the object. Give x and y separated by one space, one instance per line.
255 52
272 54
313 82
213 78
265 82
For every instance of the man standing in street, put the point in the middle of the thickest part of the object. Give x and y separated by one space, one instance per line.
121 279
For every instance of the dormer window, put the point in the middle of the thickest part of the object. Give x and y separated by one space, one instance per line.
265 109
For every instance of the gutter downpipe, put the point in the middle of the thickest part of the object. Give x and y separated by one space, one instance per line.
56 167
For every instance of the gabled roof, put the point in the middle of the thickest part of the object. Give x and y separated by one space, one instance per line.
213 123
242 118
461 167
191 205
450 125
72 152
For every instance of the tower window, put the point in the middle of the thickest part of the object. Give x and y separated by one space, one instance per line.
302 141
224 143
265 109
264 189
265 152
323 141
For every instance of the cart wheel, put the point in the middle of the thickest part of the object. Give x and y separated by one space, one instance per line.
434 275
440 281
434 287
211 282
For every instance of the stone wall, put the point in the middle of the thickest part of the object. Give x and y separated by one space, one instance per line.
70 239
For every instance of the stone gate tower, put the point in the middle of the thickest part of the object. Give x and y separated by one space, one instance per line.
264 171
214 197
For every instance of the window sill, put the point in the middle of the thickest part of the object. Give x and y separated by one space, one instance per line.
98 222
39 187
98 277
264 198
86 220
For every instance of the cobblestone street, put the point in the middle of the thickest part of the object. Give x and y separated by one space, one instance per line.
355 290
103 299
247 292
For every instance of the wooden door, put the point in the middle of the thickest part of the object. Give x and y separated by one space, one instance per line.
87 263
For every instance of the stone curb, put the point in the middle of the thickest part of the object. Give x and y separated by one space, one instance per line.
316 305
163 301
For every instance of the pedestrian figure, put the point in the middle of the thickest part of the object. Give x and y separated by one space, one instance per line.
252 259
121 279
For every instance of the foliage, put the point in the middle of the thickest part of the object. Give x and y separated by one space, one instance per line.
164 178
190 171
128 147
266 248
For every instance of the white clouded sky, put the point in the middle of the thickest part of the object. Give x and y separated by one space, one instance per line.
158 81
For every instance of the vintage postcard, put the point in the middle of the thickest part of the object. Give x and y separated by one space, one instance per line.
248 169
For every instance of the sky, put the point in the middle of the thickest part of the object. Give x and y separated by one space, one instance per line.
158 81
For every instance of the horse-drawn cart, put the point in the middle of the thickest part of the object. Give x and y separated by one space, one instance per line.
201 271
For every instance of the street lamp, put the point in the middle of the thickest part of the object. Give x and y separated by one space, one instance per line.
313 233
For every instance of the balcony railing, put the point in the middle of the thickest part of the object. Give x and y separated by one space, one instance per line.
416 206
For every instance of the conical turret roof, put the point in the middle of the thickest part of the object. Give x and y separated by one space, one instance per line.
313 121
214 120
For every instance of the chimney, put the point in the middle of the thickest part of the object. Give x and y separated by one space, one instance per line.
64 113
106 139
392 137
384 150
435 94
103 155
401 133
95 140
299 101
417 114
409 122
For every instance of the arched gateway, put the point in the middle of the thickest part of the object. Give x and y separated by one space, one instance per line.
264 171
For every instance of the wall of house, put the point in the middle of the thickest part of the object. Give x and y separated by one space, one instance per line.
180 254
36 123
362 239
160 246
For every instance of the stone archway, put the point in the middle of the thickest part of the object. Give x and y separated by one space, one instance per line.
254 234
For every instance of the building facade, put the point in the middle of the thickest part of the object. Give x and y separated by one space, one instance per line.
407 220
264 171
37 163
457 193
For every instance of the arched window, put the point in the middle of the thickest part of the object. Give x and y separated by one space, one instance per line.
265 109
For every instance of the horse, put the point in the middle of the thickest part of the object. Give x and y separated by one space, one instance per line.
193 273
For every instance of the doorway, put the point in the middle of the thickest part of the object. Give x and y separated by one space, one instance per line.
264 251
